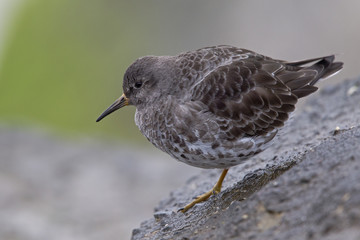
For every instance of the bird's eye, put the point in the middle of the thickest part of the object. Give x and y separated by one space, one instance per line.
138 85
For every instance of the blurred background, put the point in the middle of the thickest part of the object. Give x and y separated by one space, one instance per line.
63 176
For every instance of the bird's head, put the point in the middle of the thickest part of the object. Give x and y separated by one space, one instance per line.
140 83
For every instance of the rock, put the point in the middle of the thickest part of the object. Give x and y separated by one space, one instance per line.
306 186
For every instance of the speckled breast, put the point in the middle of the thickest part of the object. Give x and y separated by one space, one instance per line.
157 125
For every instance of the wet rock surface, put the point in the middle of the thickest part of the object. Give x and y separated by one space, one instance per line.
306 186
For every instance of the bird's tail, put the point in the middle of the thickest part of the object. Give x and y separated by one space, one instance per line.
307 76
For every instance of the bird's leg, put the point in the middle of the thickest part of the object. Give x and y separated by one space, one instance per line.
215 190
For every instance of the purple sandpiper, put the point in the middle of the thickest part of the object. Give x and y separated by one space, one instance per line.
216 107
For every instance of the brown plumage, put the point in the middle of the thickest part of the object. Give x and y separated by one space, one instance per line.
216 107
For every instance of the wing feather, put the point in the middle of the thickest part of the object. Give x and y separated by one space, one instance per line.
251 94
254 99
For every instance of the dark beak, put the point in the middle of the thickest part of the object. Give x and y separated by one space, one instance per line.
119 103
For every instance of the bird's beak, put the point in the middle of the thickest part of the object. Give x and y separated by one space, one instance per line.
119 103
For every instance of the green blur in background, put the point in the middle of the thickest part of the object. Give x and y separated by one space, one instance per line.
63 66
64 60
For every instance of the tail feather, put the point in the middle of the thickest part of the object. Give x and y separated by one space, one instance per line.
334 68
301 79
325 68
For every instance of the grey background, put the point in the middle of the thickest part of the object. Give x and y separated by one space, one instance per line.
97 190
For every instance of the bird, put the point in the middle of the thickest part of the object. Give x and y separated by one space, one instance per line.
216 107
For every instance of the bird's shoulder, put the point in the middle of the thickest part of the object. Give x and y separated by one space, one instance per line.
193 66
209 58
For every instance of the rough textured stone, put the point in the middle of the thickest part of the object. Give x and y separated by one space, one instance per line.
306 186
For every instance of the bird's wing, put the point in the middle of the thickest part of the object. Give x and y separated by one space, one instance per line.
251 96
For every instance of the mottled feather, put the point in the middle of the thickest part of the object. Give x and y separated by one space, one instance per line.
216 107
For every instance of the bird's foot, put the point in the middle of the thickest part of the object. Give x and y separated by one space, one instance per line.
199 199
215 190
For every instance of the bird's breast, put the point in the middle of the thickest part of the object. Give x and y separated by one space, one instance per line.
199 144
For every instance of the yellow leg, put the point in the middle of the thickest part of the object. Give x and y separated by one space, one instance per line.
215 190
